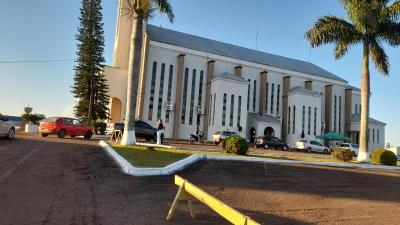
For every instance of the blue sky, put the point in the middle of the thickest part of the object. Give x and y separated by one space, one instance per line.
46 29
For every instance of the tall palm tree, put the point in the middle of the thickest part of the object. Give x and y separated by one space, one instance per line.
372 23
138 11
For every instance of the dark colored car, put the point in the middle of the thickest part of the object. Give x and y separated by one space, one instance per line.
63 126
270 142
142 129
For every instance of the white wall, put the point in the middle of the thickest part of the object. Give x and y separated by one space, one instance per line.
221 87
300 100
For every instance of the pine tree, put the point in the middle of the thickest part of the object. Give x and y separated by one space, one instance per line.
90 86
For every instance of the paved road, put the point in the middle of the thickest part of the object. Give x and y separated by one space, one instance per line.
72 181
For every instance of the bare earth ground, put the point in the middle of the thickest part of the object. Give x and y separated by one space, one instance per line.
72 181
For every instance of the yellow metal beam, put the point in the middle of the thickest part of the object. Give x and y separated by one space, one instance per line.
230 214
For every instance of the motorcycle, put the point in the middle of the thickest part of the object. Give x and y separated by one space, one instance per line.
196 139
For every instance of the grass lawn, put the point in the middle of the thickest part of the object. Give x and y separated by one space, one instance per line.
160 157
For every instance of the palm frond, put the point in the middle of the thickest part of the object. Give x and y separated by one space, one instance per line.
389 32
331 29
379 57
392 11
164 7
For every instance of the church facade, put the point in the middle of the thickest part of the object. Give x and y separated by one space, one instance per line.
189 81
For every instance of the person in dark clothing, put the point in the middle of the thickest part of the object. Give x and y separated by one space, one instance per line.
161 128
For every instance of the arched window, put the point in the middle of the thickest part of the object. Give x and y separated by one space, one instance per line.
340 114
200 97
303 118
184 99
248 95
335 114
373 135
294 119
169 94
192 90
254 95
224 111
152 90
161 91
356 109
315 121
272 99
231 111
309 121
278 93
239 111
288 123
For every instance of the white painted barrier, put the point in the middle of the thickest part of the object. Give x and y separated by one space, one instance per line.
129 168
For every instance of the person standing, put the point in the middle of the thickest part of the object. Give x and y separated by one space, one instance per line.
161 129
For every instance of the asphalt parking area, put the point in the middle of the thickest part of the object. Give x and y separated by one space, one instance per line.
72 181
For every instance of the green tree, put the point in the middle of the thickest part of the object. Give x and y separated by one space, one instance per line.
370 23
33 118
138 11
90 87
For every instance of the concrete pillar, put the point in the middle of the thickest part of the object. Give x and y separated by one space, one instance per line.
308 84
285 91
238 71
178 95
210 74
263 93
347 110
328 108
143 76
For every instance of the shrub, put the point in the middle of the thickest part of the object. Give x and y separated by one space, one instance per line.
384 157
236 145
342 154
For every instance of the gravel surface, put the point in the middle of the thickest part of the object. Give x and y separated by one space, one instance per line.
72 181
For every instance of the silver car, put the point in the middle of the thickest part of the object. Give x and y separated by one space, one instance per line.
7 128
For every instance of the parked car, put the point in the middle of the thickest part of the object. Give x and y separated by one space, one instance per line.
142 129
311 146
7 127
63 126
219 136
270 142
352 147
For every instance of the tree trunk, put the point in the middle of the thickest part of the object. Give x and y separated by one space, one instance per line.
129 137
363 154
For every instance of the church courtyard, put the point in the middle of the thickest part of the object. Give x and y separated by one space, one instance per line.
70 181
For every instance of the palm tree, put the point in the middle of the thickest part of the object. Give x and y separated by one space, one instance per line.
371 23
138 11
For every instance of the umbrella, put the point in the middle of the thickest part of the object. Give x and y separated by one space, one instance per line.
333 136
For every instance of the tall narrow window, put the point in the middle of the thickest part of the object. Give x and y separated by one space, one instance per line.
340 114
272 99
377 135
200 97
369 131
152 90
288 121
224 110
161 91
239 111
254 95
231 111
192 97
209 110
355 109
184 99
309 121
266 98
294 119
248 95
278 98
335 114
359 109
303 119
315 121
373 135
169 94
213 114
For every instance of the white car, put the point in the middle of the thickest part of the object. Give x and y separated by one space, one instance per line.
352 147
7 128
311 146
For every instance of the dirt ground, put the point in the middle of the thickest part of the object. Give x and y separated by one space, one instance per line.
72 181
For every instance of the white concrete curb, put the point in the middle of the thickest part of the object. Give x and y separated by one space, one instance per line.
128 168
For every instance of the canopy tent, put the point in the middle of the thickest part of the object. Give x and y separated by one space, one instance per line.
333 136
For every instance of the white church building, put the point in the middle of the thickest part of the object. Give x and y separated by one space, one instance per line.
190 81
